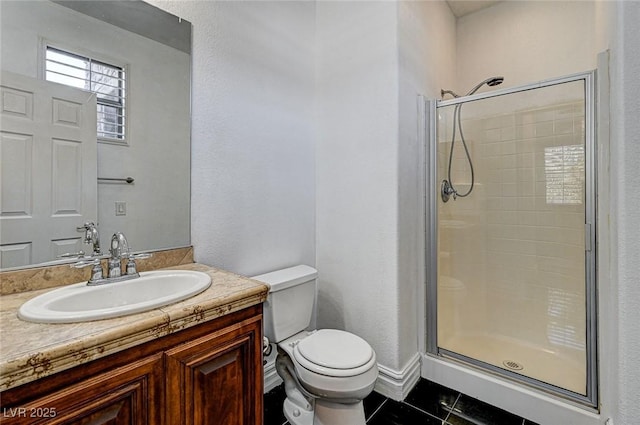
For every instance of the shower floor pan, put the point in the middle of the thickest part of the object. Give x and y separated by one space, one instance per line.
540 363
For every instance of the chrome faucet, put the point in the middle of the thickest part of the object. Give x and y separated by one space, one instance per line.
91 236
119 251
119 246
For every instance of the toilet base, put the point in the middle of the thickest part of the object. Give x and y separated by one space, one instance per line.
295 415
328 413
325 413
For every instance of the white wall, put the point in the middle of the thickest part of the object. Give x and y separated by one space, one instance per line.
357 175
625 207
426 42
527 41
158 113
369 165
253 169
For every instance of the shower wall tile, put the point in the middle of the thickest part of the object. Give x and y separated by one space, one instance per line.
508 133
526 160
493 135
526 131
563 126
543 129
510 161
545 114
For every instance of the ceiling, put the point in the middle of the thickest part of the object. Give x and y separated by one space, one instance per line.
465 7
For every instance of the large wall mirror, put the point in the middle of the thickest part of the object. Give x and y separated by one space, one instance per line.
95 123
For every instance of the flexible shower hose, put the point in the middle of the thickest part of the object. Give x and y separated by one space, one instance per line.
457 113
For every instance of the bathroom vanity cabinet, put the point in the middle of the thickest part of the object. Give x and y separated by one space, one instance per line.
210 373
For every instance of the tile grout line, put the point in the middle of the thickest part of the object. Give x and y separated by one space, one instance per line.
424 411
377 410
452 407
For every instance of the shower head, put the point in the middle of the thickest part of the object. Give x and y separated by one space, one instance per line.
493 81
444 92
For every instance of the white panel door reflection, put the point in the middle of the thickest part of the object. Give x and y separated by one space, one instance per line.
48 181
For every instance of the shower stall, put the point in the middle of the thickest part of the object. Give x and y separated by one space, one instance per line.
511 288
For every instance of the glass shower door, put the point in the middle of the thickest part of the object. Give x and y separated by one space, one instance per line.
514 265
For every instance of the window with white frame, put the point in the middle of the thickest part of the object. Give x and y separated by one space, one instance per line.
105 80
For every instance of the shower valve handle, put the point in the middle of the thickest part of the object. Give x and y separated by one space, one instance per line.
446 191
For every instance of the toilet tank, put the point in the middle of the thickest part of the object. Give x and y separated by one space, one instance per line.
289 304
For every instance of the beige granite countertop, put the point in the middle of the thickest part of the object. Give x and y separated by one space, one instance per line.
29 351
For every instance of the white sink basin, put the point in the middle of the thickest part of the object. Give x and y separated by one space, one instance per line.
82 303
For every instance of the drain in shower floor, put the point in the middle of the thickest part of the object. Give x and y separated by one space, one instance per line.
512 365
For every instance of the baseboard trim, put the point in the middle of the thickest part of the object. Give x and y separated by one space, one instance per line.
395 384
271 378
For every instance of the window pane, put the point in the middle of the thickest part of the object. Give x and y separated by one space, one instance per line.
110 121
67 70
564 173
107 81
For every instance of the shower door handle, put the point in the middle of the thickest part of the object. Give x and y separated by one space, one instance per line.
587 237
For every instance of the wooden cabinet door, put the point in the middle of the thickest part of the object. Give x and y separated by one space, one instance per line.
217 379
127 395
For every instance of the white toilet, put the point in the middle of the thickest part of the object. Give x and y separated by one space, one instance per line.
327 372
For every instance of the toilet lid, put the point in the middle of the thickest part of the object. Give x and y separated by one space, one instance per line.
335 353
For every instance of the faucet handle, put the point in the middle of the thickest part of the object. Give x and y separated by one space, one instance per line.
141 256
79 254
85 263
85 226
96 271
131 263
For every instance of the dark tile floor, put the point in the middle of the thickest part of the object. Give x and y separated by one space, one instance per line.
428 403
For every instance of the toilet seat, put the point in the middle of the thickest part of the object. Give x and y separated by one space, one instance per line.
334 353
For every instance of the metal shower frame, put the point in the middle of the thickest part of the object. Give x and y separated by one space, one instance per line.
432 197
